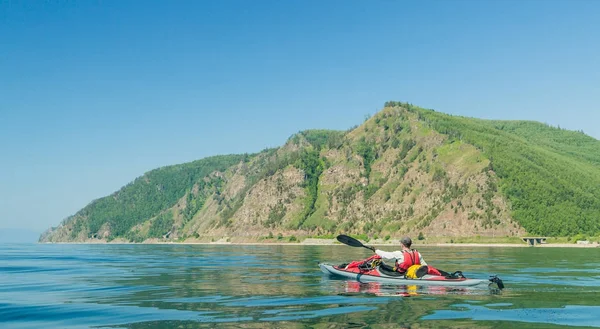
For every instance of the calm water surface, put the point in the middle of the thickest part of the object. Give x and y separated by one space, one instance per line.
227 286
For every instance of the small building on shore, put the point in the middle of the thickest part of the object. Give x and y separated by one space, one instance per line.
532 241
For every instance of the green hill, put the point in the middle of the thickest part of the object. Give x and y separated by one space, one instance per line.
406 170
550 175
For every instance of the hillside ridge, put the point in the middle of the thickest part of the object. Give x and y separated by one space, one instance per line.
405 170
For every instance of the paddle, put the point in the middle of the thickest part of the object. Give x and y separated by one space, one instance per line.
352 242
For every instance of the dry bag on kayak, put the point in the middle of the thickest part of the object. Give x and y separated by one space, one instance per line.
416 271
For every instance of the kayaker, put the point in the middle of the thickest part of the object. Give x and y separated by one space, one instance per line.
404 258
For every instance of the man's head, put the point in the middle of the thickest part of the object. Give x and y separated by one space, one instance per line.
406 241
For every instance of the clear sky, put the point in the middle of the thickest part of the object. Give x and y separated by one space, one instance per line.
95 93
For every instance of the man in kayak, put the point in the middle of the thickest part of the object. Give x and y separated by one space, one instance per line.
404 258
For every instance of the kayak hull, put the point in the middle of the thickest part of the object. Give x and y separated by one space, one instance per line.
377 276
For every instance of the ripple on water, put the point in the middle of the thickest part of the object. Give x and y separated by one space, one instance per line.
569 315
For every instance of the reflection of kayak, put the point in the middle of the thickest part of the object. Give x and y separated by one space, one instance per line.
383 290
379 275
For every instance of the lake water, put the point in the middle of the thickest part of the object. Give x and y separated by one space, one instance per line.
232 286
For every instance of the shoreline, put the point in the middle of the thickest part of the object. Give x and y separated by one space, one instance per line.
333 242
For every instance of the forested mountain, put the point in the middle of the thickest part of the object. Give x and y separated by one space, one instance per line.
406 170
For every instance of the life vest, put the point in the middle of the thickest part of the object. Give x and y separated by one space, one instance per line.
410 258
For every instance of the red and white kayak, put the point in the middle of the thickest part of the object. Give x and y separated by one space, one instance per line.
377 274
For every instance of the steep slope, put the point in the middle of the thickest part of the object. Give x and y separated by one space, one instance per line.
146 197
405 170
551 176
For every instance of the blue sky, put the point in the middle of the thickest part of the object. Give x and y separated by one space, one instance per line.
94 94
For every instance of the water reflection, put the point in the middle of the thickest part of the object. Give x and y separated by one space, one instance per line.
379 289
208 286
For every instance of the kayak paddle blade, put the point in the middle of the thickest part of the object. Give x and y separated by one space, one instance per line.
352 242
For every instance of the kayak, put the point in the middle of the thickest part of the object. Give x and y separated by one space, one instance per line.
373 269
379 274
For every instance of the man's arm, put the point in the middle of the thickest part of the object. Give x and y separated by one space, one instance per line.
421 260
390 255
